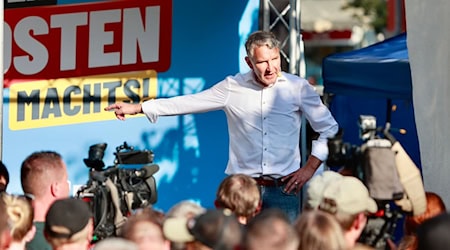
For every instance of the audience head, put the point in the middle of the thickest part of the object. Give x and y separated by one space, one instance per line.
435 206
184 209
348 200
239 193
316 186
69 223
43 175
20 217
114 243
320 231
215 229
270 229
4 177
433 234
145 229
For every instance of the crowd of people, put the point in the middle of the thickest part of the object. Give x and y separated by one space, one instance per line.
334 214
258 205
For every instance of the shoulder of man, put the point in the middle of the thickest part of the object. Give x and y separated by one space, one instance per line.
38 242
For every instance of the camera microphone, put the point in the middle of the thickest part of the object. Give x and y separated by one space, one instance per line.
147 171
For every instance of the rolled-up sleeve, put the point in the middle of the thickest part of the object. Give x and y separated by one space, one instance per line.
320 119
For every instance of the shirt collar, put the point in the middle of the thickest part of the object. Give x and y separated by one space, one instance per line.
250 77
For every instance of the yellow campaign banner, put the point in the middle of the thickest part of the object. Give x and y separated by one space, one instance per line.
46 103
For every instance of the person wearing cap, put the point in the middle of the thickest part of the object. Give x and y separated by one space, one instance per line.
184 209
69 225
240 193
316 186
44 179
264 108
349 201
216 229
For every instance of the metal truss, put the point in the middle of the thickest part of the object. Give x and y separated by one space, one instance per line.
282 17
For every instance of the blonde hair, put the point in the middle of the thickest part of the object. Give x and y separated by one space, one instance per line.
270 229
319 230
20 215
144 215
239 193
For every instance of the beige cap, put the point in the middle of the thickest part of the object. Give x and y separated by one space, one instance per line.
316 186
177 229
348 195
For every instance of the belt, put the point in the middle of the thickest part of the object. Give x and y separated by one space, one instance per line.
268 182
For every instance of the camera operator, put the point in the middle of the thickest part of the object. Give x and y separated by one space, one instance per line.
348 200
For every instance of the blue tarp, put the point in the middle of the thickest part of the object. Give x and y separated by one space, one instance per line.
363 80
380 70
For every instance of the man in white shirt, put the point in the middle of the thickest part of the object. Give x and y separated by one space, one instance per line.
263 109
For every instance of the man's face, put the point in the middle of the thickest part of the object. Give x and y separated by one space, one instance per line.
266 64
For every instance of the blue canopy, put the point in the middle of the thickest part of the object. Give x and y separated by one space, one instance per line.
370 81
380 70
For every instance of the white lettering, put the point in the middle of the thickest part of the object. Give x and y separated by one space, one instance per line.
68 24
37 57
98 38
135 33
7 46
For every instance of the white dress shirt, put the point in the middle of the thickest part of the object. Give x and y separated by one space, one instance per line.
263 122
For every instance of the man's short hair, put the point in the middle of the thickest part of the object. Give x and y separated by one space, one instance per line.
38 170
261 38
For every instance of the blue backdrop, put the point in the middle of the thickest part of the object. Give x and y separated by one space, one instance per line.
192 150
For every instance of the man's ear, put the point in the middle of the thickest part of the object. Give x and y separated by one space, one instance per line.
360 221
249 62
258 209
55 188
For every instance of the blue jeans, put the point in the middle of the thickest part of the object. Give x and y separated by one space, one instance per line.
275 197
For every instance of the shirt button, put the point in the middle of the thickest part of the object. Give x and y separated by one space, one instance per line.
265 149
265 133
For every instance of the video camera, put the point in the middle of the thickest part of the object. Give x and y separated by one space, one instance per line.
114 192
389 174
